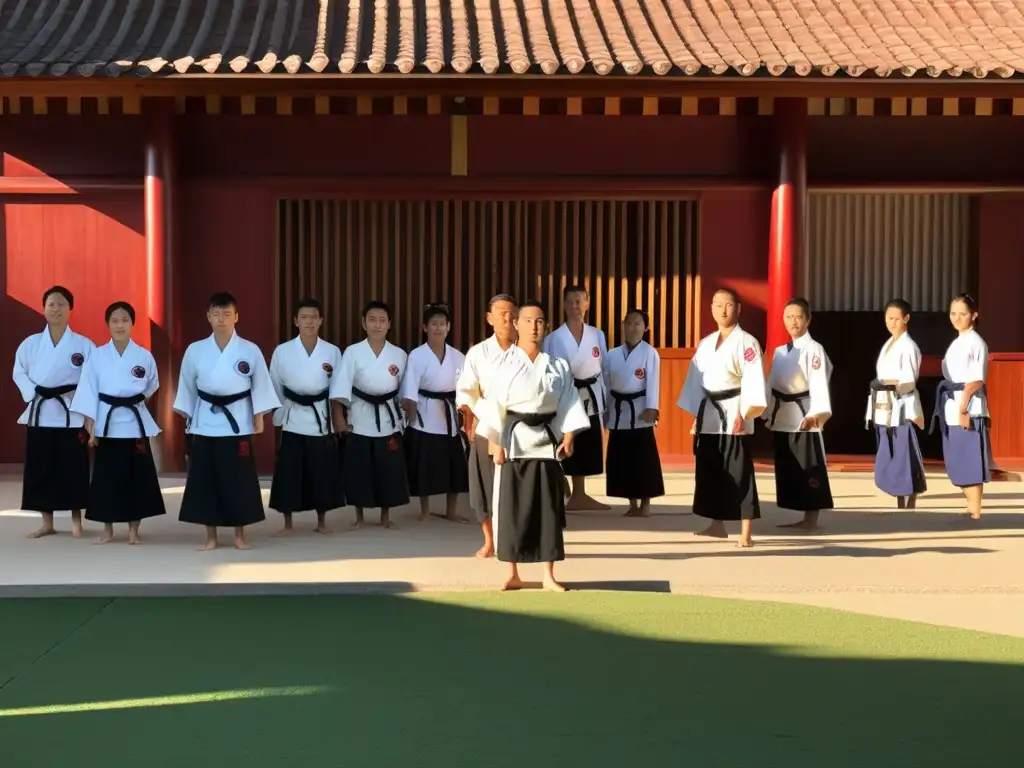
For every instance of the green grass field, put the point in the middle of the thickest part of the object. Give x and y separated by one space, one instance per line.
482 680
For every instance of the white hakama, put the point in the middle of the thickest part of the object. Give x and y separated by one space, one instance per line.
368 385
307 468
528 408
967 452
798 387
218 394
722 383
894 411
586 361
633 379
472 384
436 450
56 473
113 392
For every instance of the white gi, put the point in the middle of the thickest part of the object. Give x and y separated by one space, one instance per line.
628 372
363 370
900 362
292 368
797 367
240 367
40 362
736 364
966 360
107 372
425 372
585 361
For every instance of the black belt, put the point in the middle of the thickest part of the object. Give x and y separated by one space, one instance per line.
785 397
222 402
588 384
377 401
943 394
50 393
123 402
620 398
714 398
890 431
451 414
309 401
535 420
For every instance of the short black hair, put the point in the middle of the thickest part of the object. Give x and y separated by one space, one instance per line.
731 293
68 296
574 289
533 303
376 304
800 301
307 303
968 301
222 300
120 305
901 304
500 297
435 309
638 311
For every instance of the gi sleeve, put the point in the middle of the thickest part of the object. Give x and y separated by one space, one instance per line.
652 376
816 373
467 385
278 385
152 380
334 388
346 377
977 361
571 415
86 400
752 384
187 396
910 365
264 399
22 380
692 392
411 379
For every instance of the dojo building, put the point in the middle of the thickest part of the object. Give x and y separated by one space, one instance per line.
417 150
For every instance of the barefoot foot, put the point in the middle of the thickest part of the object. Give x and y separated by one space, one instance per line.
76 531
714 532
323 530
485 551
584 502
241 544
453 517
46 530
209 545
286 531
554 586
803 525
133 538
104 538
512 584
744 543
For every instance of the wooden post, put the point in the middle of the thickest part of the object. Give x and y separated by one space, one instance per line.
786 240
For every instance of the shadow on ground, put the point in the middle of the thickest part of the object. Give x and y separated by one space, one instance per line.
491 681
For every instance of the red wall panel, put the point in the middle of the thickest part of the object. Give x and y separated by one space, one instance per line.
1001 271
75 146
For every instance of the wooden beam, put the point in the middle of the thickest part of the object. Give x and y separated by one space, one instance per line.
650 106
574 106
690 106
531 105
865 107
983 107
919 107
460 145
951 107
44 185
612 106
727 105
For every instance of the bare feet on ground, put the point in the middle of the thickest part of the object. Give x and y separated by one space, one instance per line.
555 586
485 551
46 530
104 538
714 531
584 502
512 584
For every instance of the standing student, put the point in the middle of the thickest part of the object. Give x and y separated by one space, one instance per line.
798 407
473 383
117 380
961 406
224 391
632 374
530 415
307 468
894 411
435 446
368 386
724 391
584 347
47 369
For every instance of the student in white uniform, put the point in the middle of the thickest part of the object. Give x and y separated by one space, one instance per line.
307 470
117 381
530 414
961 406
798 407
894 411
473 382
224 391
435 445
724 391
584 347
47 369
368 386
632 374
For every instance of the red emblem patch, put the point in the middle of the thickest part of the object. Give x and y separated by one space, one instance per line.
139 372
595 352
243 367
141 447
393 444
77 359
328 368
83 436
393 370
813 483
640 373
815 362
243 448
749 354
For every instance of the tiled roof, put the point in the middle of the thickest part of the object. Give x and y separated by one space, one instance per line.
662 37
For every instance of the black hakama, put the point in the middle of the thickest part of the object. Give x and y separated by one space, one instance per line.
307 474
801 472
222 488
899 468
56 474
435 463
375 474
587 452
125 486
634 466
725 488
531 512
481 479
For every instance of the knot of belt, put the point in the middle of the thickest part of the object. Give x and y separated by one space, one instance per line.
310 401
943 394
50 393
535 420
377 401
627 398
799 398
221 403
588 384
714 398
130 402
877 386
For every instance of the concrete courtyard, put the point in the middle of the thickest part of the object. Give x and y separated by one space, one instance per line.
926 565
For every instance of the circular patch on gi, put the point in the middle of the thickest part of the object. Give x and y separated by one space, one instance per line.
813 483
815 362
328 368
77 359
639 373
243 448
393 370
749 354
595 352
243 367
139 372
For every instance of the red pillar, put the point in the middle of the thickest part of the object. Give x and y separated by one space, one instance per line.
159 209
785 243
